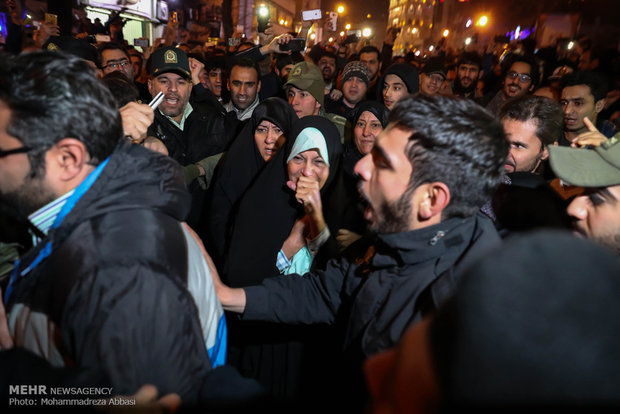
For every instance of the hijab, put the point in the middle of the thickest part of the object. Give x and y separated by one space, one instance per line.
268 210
239 167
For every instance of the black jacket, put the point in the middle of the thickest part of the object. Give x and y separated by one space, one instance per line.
371 303
409 275
109 296
206 131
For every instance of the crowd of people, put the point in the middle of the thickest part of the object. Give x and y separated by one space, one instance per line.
336 228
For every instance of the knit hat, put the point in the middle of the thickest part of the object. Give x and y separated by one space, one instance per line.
597 167
170 59
407 72
307 77
357 69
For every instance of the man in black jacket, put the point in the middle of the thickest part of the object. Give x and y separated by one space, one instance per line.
189 128
115 292
430 171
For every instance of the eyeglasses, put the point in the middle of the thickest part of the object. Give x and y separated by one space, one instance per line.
117 64
436 78
19 150
523 77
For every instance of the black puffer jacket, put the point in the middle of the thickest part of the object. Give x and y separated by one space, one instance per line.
109 294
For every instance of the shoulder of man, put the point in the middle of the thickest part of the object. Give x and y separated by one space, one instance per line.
338 120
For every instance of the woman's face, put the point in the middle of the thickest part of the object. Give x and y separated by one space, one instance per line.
269 138
365 132
309 164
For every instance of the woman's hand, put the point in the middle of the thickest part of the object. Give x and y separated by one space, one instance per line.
307 192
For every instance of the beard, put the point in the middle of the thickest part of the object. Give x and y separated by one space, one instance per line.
459 88
394 217
26 199
611 241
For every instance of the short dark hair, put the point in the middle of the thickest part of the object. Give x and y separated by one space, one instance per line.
123 90
530 60
370 49
595 81
112 46
454 141
326 53
547 114
53 95
245 63
470 58
282 60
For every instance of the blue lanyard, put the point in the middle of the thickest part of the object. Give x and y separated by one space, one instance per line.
47 249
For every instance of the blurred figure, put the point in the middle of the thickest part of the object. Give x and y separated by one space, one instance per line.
501 345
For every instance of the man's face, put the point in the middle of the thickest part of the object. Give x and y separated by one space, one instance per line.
384 178
430 83
114 59
578 102
327 65
365 132
526 150
309 164
243 86
285 71
518 80
176 91
467 76
303 102
354 90
136 65
21 191
268 138
371 60
596 215
393 89
213 80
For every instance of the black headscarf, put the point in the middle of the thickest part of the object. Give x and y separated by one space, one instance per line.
238 168
407 72
351 154
268 210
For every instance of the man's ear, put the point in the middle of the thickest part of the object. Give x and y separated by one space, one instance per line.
68 159
149 84
434 199
599 105
258 89
545 153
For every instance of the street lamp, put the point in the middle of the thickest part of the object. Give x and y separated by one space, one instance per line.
482 21
366 32
348 26
340 9
446 33
468 41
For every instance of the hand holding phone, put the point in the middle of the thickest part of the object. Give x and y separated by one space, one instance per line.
51 18
294 45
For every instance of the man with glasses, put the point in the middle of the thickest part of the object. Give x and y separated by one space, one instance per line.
115 57
432 77
85 302
520 79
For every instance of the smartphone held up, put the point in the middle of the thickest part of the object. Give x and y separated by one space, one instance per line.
262 17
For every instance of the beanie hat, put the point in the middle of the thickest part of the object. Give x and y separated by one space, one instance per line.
357 69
